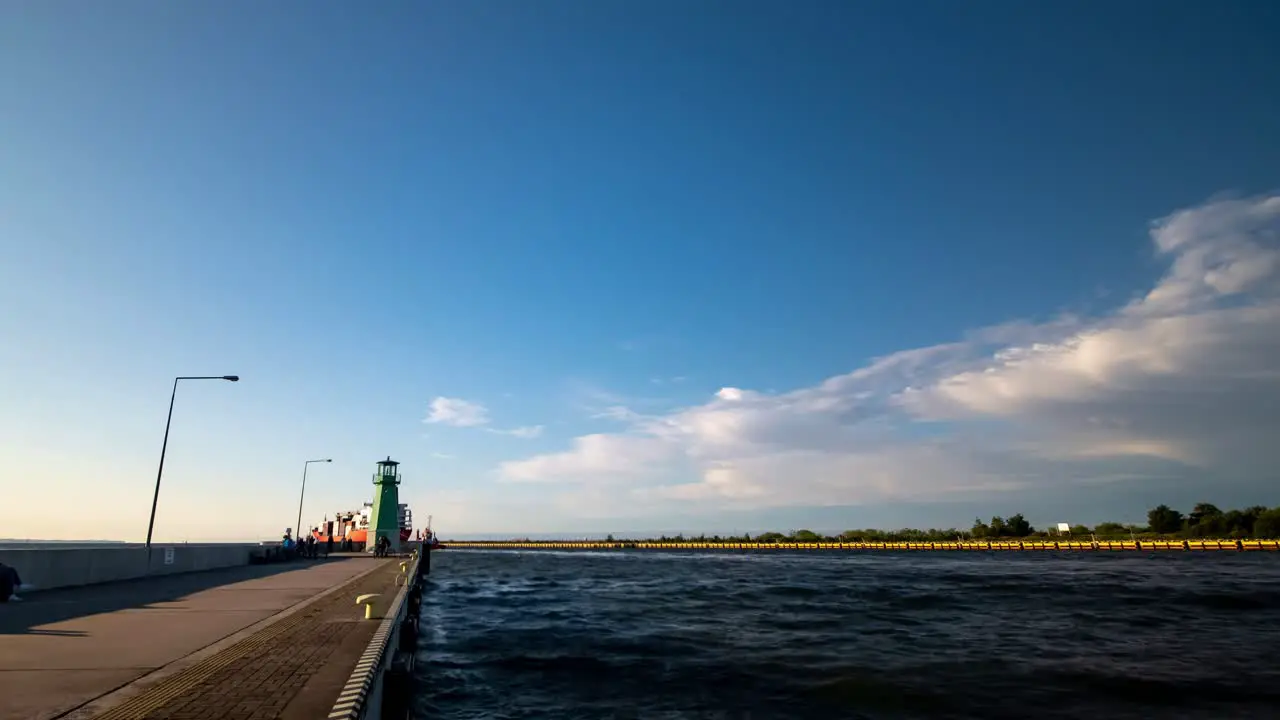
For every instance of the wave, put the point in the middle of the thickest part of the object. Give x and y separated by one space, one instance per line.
580 635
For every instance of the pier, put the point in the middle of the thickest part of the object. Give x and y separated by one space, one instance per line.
956 546
324 638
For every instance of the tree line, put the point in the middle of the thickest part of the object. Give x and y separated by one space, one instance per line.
1204 521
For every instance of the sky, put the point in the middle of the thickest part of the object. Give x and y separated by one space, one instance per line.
604 266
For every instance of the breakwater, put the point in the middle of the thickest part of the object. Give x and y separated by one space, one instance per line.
962 545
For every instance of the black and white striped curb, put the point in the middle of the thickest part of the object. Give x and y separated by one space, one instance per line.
351 701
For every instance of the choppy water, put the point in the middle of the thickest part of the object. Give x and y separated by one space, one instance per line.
545 634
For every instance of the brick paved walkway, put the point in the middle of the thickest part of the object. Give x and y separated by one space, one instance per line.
294 667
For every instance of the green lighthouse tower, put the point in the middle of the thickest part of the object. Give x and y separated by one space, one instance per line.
384 521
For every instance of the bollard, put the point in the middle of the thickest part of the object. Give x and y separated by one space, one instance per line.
367 600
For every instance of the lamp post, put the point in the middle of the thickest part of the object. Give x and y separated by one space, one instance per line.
298 528
156 497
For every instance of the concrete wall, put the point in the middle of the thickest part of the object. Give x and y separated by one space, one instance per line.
48 568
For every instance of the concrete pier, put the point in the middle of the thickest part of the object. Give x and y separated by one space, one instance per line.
256 641
71 565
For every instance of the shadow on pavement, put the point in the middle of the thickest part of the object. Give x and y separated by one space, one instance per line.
51 606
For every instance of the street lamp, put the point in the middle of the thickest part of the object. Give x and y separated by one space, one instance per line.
305 465
155 498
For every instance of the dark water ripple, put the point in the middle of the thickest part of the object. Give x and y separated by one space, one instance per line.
545 634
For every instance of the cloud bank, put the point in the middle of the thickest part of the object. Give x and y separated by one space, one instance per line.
1184 378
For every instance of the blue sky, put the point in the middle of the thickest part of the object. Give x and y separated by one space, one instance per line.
718 265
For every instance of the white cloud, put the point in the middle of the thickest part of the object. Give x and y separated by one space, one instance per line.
593 457
730 394
457 412
527 432
464 413
1186 374
620 413
601 404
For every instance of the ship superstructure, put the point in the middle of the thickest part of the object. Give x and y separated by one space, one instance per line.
353 526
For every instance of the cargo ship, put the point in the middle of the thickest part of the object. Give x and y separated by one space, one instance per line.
350 529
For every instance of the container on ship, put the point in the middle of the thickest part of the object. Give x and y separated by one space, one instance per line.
350 529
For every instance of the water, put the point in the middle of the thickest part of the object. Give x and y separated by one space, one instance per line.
545 634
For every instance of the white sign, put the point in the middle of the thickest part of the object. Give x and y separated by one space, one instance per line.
168 556
1063 527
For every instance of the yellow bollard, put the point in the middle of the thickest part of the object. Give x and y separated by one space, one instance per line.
367 600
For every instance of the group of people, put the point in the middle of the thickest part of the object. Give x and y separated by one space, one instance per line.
10 584
308 548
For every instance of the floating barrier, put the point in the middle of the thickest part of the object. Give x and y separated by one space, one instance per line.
967 545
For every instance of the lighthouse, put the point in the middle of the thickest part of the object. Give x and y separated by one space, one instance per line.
384 521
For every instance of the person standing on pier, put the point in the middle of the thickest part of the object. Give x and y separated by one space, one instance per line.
10 584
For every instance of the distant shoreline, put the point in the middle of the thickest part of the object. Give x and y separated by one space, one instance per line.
1204 522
